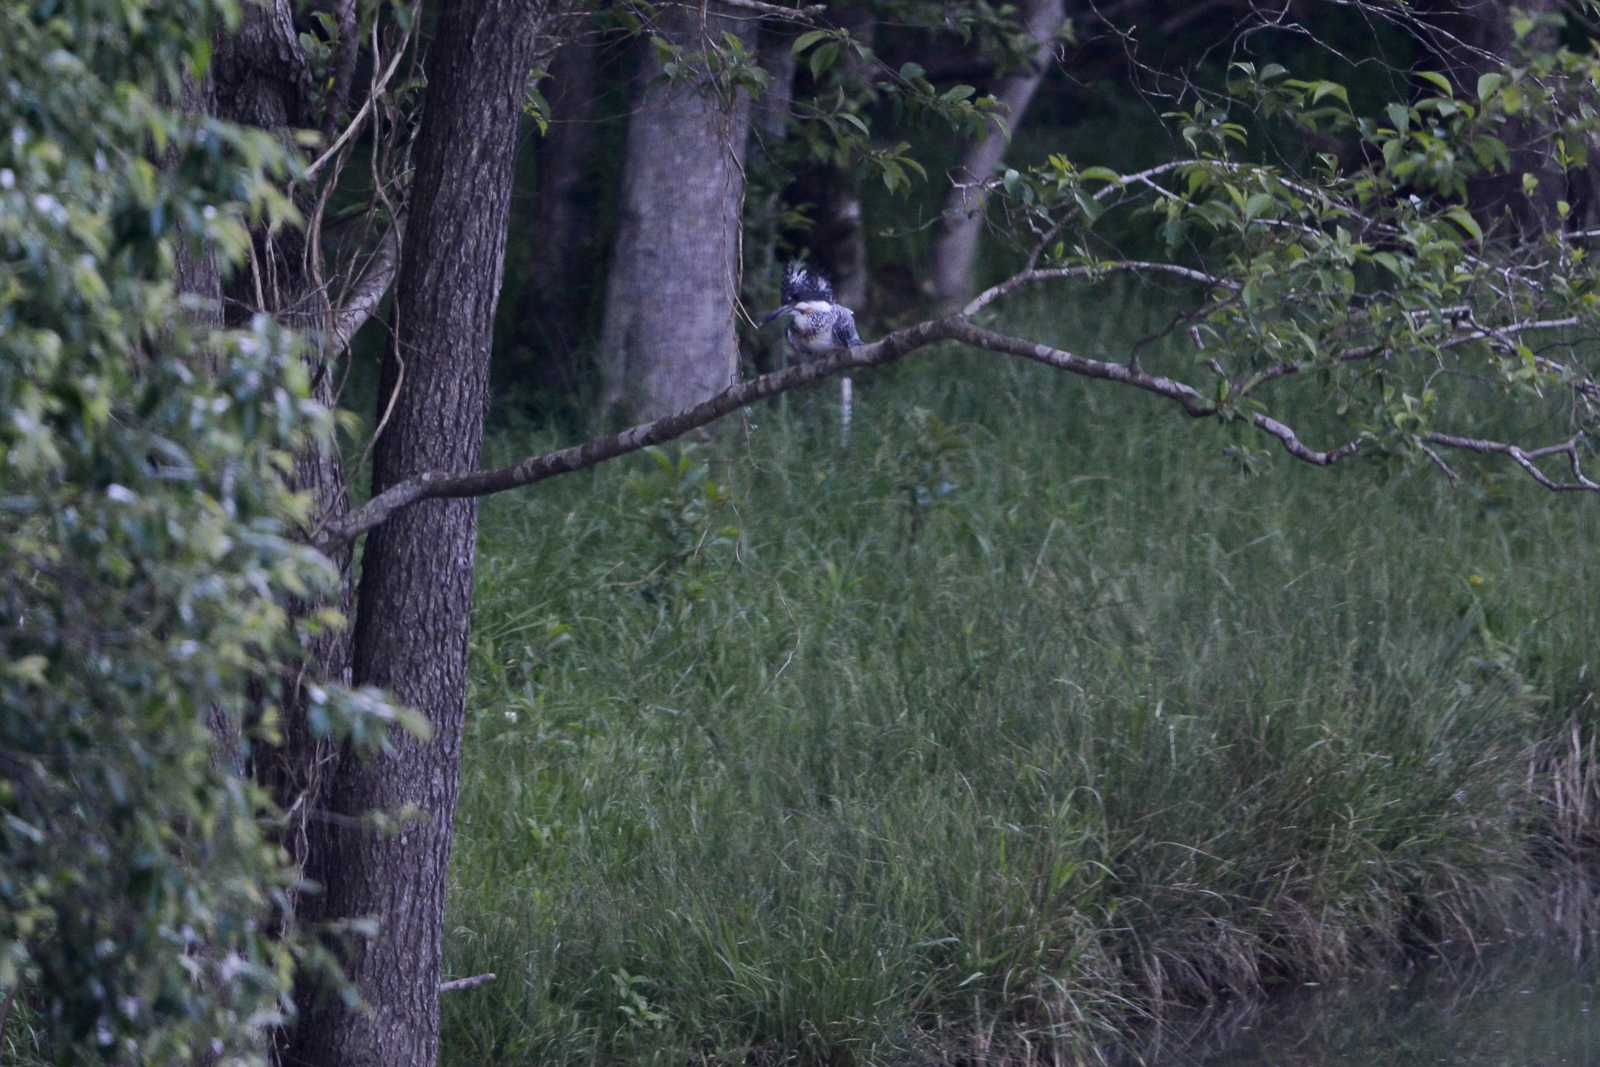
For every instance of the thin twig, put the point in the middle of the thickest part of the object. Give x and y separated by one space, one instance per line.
361 116
465 983
1525 457
388 410
801 14
1092 270
1438 461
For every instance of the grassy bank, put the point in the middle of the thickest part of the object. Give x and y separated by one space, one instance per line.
1018 717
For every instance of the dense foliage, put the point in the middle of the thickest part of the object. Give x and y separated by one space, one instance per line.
145 548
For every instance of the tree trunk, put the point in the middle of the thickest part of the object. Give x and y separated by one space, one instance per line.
668 340
769 125
261 79
840 239
556 298
955 250
1479 38
416 582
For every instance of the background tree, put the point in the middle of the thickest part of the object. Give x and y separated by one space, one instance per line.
668 339
564 238
955 250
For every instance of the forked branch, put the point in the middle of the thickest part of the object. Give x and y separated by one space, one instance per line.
430 485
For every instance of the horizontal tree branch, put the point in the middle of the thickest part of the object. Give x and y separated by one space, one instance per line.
430 485
466 983
1526 457
1477 332
1091 270
776 11
960 329
442 484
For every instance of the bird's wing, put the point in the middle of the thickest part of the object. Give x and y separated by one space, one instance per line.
844 330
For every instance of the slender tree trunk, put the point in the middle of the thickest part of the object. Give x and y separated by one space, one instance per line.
668 340
840 238
769 125
557 300
1479 38
955 250
416 582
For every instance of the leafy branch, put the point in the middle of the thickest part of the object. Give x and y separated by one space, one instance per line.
1377 284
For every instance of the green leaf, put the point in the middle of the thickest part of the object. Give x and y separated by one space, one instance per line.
1488 83
894 176
1099 174
1463 218
1257 203
1438 80
823 58
1399 117
1326 89
1092 209
807 39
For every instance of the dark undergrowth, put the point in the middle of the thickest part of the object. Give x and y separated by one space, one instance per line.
1023 717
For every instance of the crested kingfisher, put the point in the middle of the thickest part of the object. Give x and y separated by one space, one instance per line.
816 323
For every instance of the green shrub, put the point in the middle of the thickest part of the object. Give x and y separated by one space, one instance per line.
145 551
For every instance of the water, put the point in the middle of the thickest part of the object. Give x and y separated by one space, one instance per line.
1518 1007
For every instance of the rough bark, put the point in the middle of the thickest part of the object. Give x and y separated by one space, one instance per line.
668 339
955 250
416 582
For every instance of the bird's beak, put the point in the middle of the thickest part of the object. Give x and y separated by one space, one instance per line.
783 310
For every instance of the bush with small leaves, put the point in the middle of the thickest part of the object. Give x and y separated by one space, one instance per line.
145 550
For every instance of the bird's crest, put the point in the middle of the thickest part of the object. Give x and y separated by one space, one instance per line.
800 285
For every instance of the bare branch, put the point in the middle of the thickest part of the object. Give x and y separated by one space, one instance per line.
1438 461
1186 395
466 983
1295 447
1525 458
435 484
1028 277
368 290
798 14
532 469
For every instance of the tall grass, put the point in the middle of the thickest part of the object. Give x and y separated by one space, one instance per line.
1018 719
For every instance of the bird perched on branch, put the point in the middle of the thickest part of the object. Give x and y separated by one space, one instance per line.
816 323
